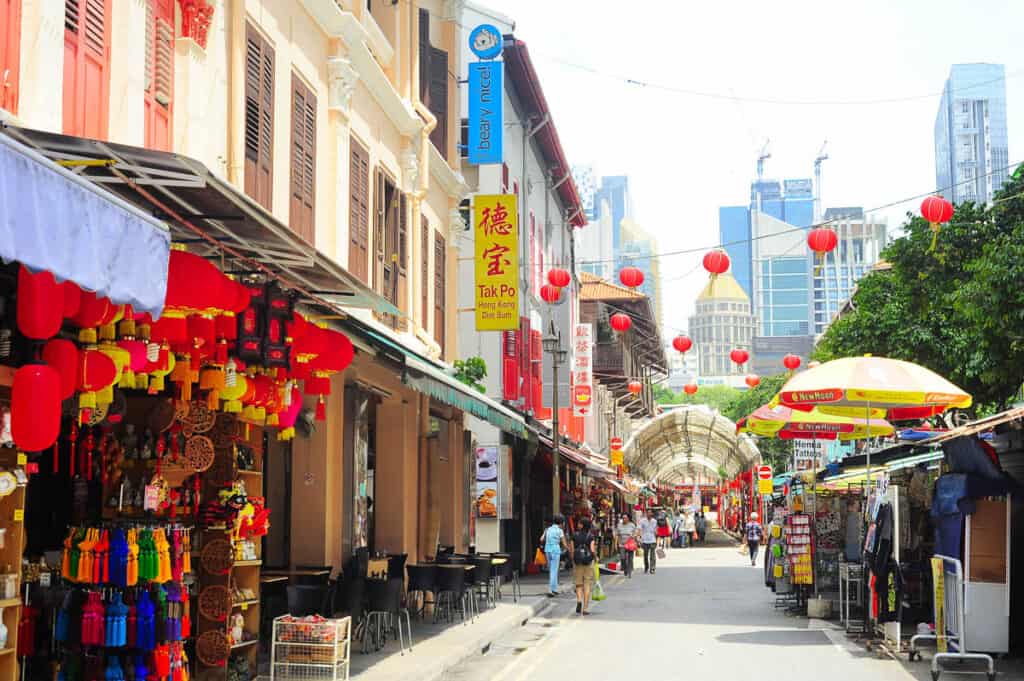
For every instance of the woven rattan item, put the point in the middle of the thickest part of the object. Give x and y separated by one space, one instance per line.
224 431
200 419
212 648
162 416
199 453
215 602
217 557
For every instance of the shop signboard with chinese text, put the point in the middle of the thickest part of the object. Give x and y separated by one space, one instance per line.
582 369
496 235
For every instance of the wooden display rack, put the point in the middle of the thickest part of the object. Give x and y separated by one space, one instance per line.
12 516
243 574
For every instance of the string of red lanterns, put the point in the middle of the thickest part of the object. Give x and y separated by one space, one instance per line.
690 388
631 277
620 321
550 293
821 240
558 277
716 262
635 387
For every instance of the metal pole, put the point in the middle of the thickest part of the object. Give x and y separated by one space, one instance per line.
555 436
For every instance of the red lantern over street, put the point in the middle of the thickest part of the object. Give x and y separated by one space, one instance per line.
35 407
635 387
62 356
791 362
558 277
753 380
682 343
631 277
690 388
72 298
739 356
40 304
620 322
821 240
936 210
550 293
716 262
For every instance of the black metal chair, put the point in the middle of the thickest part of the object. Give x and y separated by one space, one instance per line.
422 580
451 591
481 576
313 580
309 600
506 573
396 564
384 614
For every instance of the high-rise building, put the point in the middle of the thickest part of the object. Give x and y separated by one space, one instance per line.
637 248
585 178
971 153
861 239
721 323
613 196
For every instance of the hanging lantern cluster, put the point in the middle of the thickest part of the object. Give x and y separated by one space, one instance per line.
752 380
620 321
739 356
558 278
936 210
682 343
821 240
635 387
791 362
631 277
690 388
550 294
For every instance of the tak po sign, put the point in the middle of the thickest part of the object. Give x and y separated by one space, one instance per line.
582 369
496 237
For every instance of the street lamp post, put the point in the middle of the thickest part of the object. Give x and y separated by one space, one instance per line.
553 345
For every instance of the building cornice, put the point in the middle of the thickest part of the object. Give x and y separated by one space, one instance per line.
451 181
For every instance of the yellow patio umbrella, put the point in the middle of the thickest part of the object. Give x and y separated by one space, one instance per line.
788 423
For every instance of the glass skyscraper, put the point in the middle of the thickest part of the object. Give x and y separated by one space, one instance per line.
971 153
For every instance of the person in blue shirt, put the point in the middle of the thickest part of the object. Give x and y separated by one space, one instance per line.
554 543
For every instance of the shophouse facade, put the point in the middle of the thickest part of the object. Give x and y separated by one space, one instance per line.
331 129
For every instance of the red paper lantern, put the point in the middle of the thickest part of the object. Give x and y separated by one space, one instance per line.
739 356
136 350
791 362
40 304
337 354
631 277
620 322
682 343
296 328
753 380
822 240
195 285
558 277
35 407
635 387
72 298
716 262
62 355
91 310
936 209
690 388
169 329
550 293
96 371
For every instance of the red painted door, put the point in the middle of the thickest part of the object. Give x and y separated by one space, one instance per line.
10 46
86 67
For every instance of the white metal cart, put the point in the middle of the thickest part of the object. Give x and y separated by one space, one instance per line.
310 649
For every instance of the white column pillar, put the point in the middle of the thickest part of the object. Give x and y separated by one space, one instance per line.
42 65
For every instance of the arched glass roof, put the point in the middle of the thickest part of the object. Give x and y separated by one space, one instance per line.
672 446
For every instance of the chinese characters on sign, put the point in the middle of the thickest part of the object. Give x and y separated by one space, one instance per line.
582 368
496 233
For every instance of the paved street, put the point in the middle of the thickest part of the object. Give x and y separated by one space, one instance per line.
705 614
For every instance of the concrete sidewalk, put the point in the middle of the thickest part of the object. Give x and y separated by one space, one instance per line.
440 647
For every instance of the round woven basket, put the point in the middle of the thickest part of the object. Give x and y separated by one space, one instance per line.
215 602
199 453
217 557
212 648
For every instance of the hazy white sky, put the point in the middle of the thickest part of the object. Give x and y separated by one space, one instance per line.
687 155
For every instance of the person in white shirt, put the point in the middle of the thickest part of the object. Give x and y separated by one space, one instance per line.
649 539
624 531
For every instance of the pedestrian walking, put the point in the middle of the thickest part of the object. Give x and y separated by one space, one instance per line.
754 533
702 526
664 531
680 530
649 537
583 549
689 526
553 539
625 535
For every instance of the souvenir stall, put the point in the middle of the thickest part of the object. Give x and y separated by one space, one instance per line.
134 483
602 501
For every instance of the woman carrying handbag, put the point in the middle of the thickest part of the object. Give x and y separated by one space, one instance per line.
625 533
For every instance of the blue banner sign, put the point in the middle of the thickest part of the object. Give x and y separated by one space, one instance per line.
486 122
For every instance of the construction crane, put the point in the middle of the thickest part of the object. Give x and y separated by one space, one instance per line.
764 155
822 156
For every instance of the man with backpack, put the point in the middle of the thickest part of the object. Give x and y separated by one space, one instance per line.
583 551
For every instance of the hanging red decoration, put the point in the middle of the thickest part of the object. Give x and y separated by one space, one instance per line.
791 362
95 371
35 407
821 240
716 262
635 387
317 385
936 210
690 388
337 355
631 277
682 343
72 298
739 356
620 322
92 310
752 380
62 355
558 277
550 293
40 304
195 285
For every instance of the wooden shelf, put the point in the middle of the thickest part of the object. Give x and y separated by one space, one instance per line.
10 602
245 644
242 471
246 604
248 563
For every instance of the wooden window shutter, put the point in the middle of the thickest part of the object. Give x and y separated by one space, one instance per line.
425 272
302 185
159 78
403 262
424 55
86 67
10 53
378 230
439 289
259 118
359 211
438 99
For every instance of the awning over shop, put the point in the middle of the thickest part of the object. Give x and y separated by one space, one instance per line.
209 214
616 485
53 219
568 453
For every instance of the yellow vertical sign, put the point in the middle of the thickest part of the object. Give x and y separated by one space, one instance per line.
939 580
496 234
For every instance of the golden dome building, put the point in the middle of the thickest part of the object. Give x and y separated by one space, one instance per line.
723 322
